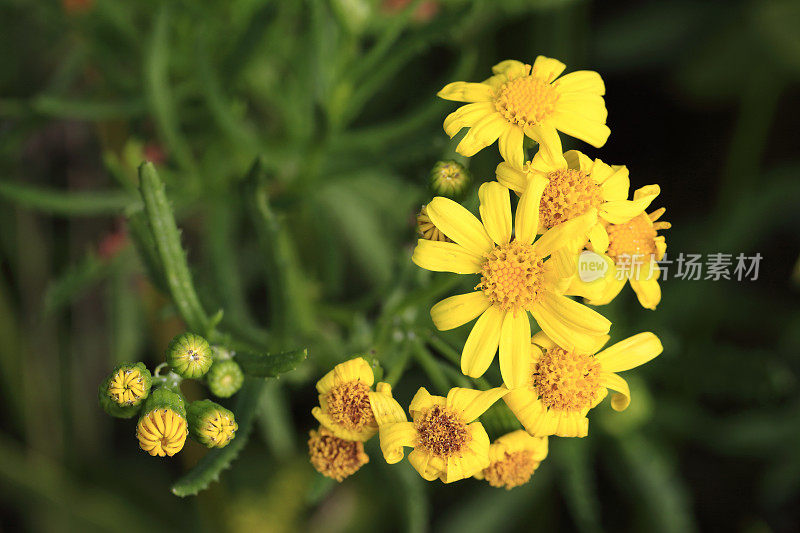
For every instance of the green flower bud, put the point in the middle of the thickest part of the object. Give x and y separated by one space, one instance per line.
210 424
162 428
121 394
225 378
450 179
189 355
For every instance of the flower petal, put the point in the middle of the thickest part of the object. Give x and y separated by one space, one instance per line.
584 81
440 256
621 400
571 424
457 310
473 403
495 210
645 284
511 68
352 370
460 225
386 409
483 133
466 116
598 236
510 146
526 221
549 156
428 466
462 91
593 132
570 324
515 349
615 186
547 68
565 233
630 353
482 343
621 211
510 177
472 460
394 437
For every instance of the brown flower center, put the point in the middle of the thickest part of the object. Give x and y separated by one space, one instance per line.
513 470
566 380
441 432
569 194
348 405
334 457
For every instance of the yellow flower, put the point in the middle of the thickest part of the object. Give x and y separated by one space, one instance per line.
576 184
448 443
519 100
634 249
334 457
517 276
513 458
162 432
128 386
554 392
344 406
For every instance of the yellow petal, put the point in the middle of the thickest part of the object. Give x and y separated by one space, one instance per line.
579 161
324 419
423 400
461 91
630 353
495 210
510 146
482 343
647 190
472 460
616 184
458 310
483 133
541 339
593 132
549 147
511 68
394 437
598 236
530 412
466 116
621 211
584 81
612 285
515 349
570 324
425 464
566 233
571 424
440 256
588 106
547 68
526 221
386 409
648 291
621 400
473 403
459 225
510 177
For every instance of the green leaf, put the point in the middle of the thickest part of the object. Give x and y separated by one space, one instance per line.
270 365
64 203
214 462
168 244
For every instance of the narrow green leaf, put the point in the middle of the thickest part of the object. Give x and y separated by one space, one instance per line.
65 203
168 243
270 365
214 462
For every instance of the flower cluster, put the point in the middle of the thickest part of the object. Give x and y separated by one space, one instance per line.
166 419
525 263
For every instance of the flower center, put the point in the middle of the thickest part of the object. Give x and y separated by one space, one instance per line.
513 470
348 405
634 238
566 380
441 432
334 457
512 276
526 101
162 432
569 194
126 387
219 429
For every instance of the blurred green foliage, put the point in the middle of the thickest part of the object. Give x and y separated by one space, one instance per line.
295 139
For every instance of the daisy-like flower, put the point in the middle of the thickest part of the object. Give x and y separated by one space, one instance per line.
448 443
334 457
517 277
513 458
554 392
576 184
521 101
634 249
344 406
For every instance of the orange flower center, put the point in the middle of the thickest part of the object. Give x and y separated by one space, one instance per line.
349 407
633 238
566 380
513 470
526 101
441 432
334 457
512 276
569 194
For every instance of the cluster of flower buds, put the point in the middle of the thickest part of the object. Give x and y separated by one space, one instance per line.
166 419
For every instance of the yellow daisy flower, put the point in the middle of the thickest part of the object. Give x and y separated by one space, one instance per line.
334 457
576 184
517 277
344 406
634 249
447 442
521 100
513 458
554 392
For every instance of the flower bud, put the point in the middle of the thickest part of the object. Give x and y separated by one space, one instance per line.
450 179
426 228
189 355
225 378
162 427
121 394
210 424
334 457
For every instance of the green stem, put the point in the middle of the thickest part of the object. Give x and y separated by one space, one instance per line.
63 203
